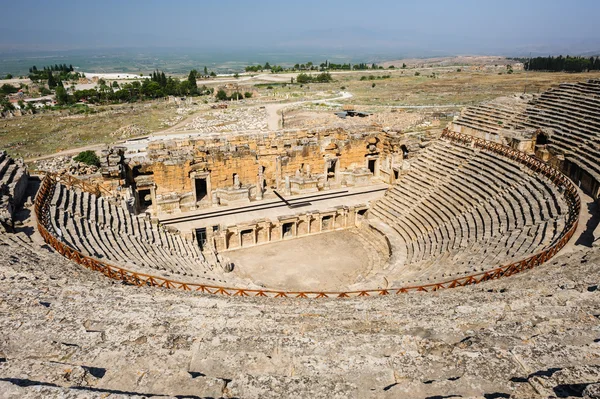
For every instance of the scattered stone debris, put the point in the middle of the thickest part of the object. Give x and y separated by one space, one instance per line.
65 165
236 119
128 131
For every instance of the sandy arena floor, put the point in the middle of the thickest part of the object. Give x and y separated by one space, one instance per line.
328 261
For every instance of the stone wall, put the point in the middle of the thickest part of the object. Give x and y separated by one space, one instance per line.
13 185
293 162
263 231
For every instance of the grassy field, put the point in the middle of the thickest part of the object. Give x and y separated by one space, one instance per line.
461 88
45 133
50 132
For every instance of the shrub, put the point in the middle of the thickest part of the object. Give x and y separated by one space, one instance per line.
417 73
248 94
222 96
88 157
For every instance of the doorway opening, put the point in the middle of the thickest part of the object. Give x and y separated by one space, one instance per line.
371 165
247 237
201 189
327 223
145 199
331 164
201 237
404 151
287 230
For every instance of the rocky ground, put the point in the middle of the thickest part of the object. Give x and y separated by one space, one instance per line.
68 332
64 164
314 116
229 120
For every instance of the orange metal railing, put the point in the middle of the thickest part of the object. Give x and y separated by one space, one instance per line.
44 196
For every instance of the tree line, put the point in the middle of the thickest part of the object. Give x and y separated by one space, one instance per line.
309 66
157 86
54 75
560 63
323 77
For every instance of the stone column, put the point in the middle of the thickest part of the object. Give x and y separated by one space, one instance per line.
278 172
261 179
288 187
269 227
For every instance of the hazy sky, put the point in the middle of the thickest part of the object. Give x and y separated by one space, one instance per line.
458 26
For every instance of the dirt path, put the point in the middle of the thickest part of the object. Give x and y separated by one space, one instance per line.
72 151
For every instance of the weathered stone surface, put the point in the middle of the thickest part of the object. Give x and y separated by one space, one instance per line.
70 332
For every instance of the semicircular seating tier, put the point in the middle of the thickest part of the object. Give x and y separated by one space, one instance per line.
461 210
99 229
568 114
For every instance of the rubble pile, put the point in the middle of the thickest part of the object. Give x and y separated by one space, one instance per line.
128 131
229 120
111 162
65 165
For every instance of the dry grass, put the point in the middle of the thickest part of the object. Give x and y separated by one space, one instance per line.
448 88
49 132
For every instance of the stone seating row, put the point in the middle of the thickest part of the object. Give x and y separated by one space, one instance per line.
96 228
101 211
571 112
460 208
13 185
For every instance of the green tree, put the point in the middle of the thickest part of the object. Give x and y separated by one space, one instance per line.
303 78
8 76
403 66
222 96
248 94
88 157
192 79
51 80
152 89
8 89
62 98
205 71
185 87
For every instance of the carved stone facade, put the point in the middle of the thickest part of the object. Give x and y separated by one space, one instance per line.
264 231
185 174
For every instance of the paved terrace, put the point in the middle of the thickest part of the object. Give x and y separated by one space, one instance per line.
273 208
